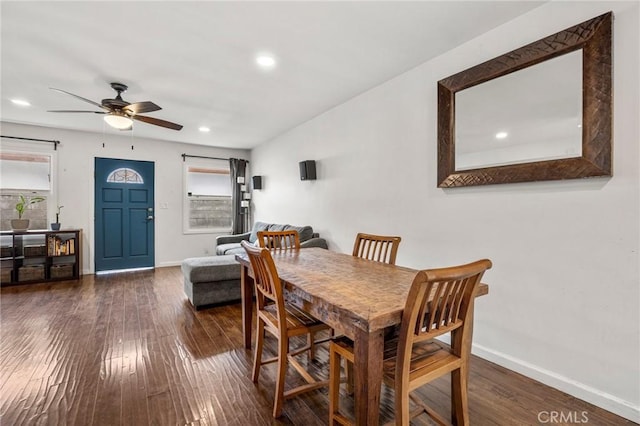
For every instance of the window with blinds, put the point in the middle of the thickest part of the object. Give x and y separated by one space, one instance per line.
207 198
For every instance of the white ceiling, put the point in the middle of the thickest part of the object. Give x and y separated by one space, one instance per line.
197 59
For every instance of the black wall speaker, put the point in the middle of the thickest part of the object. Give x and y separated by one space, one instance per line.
257 182
308 170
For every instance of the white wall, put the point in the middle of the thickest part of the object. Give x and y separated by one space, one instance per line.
564 290
75 185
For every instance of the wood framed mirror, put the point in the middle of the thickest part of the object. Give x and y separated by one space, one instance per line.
540 112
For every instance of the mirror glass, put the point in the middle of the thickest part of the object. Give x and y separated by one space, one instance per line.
534 114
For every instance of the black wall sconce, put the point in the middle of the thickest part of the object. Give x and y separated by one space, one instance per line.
257 182
308 170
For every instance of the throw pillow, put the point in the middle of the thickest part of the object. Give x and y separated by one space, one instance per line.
257 227
305 232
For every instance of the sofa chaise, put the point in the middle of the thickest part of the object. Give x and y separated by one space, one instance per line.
216 279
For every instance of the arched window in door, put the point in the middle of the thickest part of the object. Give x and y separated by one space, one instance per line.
125 175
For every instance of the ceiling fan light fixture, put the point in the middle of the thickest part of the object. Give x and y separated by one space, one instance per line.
118 121
120 113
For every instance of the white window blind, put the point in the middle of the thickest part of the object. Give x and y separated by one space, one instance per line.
25 171
204 181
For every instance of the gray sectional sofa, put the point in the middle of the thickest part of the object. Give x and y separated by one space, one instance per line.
216 279
230 244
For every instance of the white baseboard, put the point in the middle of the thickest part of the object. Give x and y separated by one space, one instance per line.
593 396
174 263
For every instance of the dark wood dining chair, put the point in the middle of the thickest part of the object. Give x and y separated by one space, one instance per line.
283 321
378 248
440 301
279 240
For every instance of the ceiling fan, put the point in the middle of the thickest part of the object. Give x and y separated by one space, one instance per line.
120 113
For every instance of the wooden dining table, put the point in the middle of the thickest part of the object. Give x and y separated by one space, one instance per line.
358 298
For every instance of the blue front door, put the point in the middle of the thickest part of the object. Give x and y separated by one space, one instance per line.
124 226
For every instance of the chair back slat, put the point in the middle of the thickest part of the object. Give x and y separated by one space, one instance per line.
447 306
279 240
457 297
376 247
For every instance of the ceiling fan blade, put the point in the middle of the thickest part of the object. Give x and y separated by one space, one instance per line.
142 107
79 97
157 122
70 110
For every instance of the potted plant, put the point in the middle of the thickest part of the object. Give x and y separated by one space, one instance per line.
23 203
56 226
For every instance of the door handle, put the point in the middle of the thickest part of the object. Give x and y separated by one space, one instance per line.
149 217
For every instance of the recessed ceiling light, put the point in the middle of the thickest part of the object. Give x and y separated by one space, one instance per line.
579 125
20 102
266 61
501 135
204 129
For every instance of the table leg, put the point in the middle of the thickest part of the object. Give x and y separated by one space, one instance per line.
246 287
368 353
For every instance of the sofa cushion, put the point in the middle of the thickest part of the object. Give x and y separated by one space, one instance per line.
305 232
236 250
277 227
258 226
231 248
212 268
222 249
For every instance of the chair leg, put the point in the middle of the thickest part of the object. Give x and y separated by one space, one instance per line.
283 350
312 346
402 406
257 358
334 383
459 396
350 376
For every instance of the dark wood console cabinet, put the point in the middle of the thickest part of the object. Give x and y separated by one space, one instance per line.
37 256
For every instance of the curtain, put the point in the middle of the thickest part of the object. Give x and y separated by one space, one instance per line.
237 168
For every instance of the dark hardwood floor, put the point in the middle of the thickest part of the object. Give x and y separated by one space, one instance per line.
129 349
